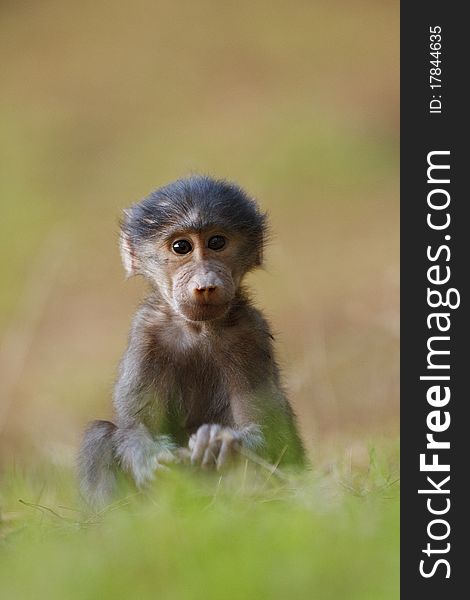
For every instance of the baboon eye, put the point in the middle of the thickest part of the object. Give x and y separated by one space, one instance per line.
181 247
217 242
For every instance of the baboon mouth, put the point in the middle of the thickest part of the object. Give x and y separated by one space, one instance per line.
205 311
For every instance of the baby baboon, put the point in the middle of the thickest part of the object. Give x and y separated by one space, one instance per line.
199 370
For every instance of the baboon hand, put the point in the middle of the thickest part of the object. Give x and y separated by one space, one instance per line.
141 455
214 445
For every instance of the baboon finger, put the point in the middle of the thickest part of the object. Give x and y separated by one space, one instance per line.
201 443
210 455
215 431
166 457
224 454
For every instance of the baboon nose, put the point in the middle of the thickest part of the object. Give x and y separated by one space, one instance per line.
204 293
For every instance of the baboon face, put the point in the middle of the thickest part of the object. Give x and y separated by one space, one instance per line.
198 272
194 241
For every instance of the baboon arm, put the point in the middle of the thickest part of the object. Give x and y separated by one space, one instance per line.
267 425
139 449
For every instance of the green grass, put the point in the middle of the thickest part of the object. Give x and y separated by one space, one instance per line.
299 104
246 534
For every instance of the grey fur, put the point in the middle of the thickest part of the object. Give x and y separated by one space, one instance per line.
97 463
200 365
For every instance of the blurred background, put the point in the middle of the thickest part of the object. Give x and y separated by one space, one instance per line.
103 101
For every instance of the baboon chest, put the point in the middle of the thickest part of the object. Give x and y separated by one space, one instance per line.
198 393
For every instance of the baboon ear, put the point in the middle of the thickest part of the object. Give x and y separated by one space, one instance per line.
128 256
